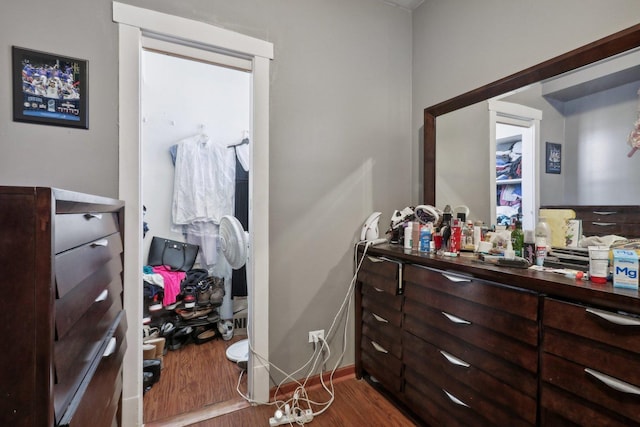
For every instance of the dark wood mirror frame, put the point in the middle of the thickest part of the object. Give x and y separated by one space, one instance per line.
612 45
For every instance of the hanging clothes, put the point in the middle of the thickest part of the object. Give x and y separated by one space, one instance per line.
204 182
239 277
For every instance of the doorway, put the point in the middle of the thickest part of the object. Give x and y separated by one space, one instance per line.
514 142
188 100
133 22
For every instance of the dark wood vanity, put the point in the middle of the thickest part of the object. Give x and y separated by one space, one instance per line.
461 343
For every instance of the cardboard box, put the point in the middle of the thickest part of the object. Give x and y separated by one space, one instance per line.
625 268
240 313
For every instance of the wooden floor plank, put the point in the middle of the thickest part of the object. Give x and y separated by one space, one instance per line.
197 388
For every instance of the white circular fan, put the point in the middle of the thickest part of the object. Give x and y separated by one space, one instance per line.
234 241
234 244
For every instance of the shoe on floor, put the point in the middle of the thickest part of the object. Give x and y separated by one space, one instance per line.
226 329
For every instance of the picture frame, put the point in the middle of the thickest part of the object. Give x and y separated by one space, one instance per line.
553 157
49 89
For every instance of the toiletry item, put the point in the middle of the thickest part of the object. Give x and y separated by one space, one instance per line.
467 236
543 231
477 234
517 239
625 268
598 263
509 253
415 236
485 247
437 240
456 236
408 230
445 230
541 250
425 238
529 247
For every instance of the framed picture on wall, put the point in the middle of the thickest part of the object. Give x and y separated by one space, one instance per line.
553 157
49 89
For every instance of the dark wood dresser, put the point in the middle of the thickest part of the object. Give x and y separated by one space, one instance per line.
460 343
62 318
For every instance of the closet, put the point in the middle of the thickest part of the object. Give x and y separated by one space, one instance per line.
195 103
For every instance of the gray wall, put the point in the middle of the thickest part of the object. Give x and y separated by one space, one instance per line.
459 45
340 129
344 137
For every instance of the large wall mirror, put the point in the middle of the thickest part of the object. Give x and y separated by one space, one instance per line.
585 104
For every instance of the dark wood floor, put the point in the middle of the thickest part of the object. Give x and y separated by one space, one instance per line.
193 377
198 383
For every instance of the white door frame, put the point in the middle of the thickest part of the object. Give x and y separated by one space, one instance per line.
133 22
527 118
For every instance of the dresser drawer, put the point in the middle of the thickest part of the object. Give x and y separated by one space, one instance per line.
560 409
75 304
74 354
499 297
381 297
621 331
421 321
516 327
99 404
463 402
383 333
590 386
426 358
381 364
73 266
382 274
72 230
382 310
605 220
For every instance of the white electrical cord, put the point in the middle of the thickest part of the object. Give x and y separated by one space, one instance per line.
300 394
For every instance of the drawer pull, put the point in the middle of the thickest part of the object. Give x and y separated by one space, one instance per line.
103 296
604 224
618 319
378 289
456 279
455 319
374 259
379 319
454 360
605 212
93 215
614 383
103 242
379 348
111 347
455 399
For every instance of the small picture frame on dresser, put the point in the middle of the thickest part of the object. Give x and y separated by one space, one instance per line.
49 89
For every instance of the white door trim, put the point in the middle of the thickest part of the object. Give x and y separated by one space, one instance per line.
133 22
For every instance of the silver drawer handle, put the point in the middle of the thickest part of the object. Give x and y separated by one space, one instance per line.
614 383
455 319
456 279
454 360
111 347
379 319
378 289
93 215
605 212
103 296
374 259
455 399
618 319
103 242
604 224
378 347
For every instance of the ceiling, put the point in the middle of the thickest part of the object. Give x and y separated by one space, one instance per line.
405 4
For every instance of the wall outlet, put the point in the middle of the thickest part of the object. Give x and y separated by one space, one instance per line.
314 336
